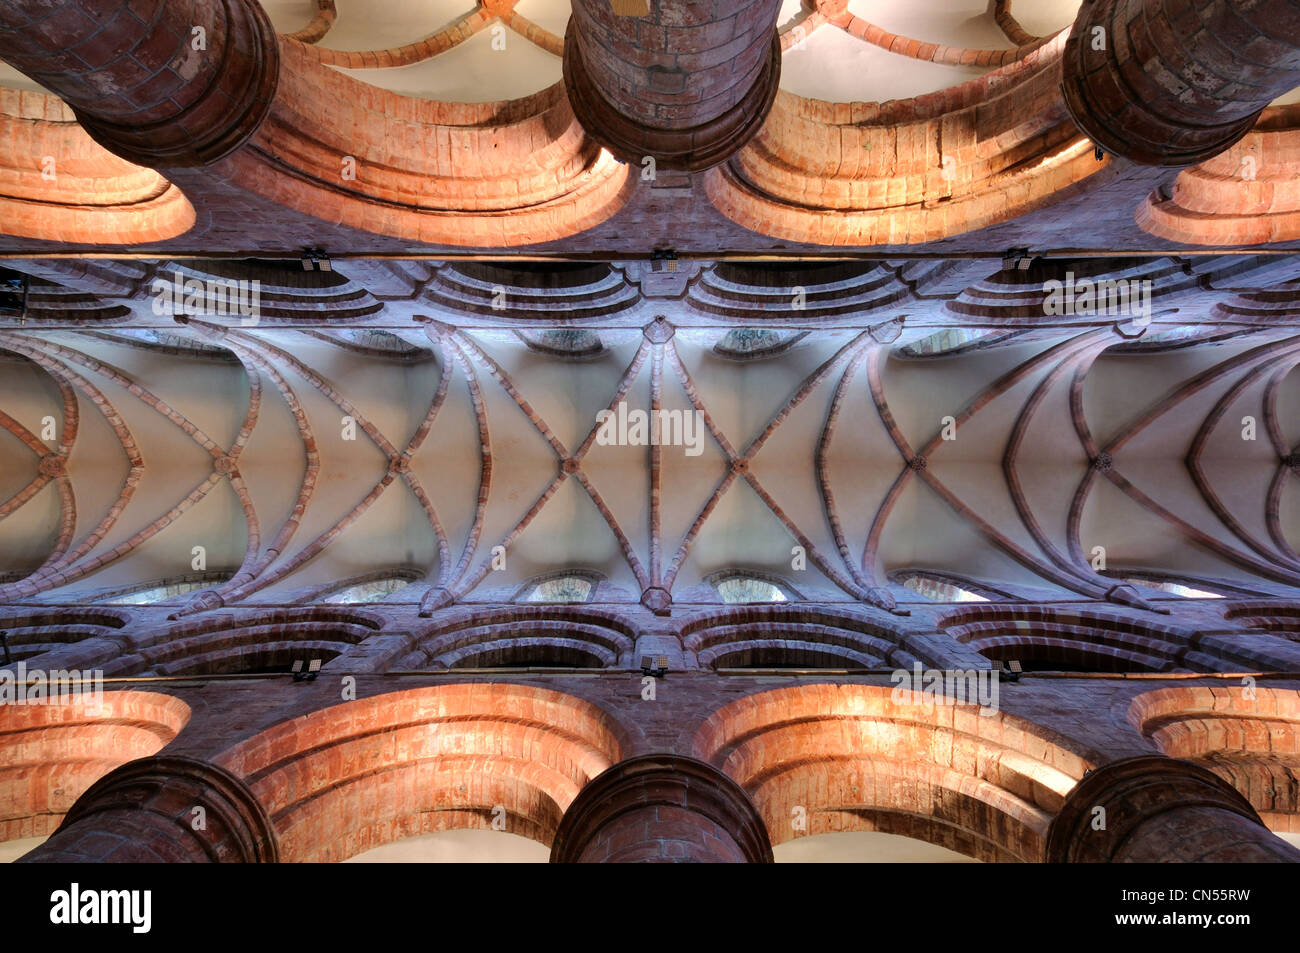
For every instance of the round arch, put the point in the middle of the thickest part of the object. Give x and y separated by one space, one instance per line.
827 758
51 754
353 777
1251 739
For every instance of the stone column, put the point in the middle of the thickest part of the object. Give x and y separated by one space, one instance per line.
1160 810
662 809
144 812
1176 82
157 82
687 81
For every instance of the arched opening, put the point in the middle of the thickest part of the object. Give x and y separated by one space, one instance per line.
1280 618
767 291
560 589
537 291
30 634
750 589
13 293
60 185
787 637
569 344
752 344
254 644
522 637
819 759
1162 585
937 588
154 592
529 653
953 341
1247 736
374 590
487 757
1179 589
1062 640
51 753
425 177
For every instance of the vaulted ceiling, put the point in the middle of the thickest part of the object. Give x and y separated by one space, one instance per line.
927 153
302 453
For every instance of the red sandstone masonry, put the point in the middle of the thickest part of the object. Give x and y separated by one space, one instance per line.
1178 81
687 85
986 786
137 81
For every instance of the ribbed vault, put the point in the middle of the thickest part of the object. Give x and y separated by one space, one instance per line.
469 462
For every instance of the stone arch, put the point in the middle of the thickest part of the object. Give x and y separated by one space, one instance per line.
560 587
874 174
256 640
51 754
867 758
761 291
1019 299
764 636
32 633
1282 618
955 340
285 292
1162 581
561 636
532 291
1046 636
1244 196
464 174
751 587
366 588
953 586
1253 743
95 197
368 772
767 636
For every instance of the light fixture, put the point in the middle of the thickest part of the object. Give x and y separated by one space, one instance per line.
313 669
656 666
1017 258
316 259
663 259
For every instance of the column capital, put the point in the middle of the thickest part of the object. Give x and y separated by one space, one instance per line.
145 811
1176 82
662 808
1145 799
158 83
689 104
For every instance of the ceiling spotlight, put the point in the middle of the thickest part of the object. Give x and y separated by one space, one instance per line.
313 669
663 260
316 259
1017 258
